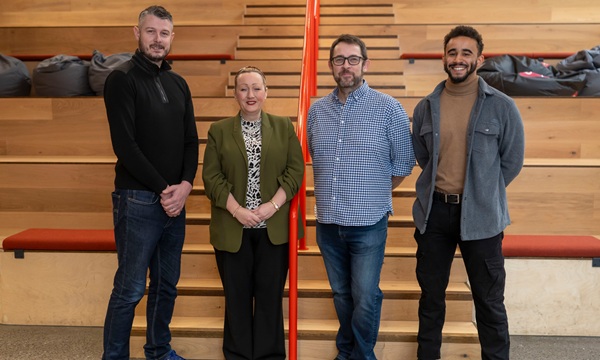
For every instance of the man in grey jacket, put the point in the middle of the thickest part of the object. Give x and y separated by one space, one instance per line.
469 142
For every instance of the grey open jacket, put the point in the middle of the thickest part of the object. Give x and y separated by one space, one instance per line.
495 153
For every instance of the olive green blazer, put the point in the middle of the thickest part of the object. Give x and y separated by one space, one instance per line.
225 170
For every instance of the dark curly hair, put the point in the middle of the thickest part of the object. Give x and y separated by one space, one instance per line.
467 31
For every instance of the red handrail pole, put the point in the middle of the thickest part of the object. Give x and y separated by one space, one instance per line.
293 281
315 37
307 89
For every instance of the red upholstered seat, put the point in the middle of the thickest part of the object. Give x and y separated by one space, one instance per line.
61 239
564 246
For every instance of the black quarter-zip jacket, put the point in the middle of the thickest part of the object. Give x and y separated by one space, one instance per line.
152 125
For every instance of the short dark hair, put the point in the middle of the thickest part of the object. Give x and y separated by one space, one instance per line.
467 31
349 39
158 11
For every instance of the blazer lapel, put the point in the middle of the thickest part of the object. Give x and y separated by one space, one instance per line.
267 132
239 138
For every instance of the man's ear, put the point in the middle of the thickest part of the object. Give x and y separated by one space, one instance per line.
480 60
366 64
136 32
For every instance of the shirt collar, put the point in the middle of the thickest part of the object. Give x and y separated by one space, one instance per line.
356 94
148 65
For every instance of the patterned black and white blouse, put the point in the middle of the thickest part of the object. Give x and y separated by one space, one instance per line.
253 140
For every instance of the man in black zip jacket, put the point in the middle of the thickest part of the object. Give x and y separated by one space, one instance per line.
155 139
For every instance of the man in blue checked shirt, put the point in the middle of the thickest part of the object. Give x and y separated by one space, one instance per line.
361 148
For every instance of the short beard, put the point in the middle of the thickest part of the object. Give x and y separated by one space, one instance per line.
355 82
458 80
150 56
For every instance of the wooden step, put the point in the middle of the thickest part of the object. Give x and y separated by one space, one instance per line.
316 308
322 289
372 19
395 268
289 91
286 42
296 53
285 80
211 348
401 191
256 10
329 14
200 338
464 332
393 221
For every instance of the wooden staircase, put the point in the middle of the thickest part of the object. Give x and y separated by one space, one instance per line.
197 324
384 47
198 320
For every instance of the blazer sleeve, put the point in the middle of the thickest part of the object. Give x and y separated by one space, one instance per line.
216 185
292 177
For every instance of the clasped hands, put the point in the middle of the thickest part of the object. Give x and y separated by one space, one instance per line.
173 198
251 218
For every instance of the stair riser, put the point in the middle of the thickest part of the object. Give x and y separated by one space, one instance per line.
316 308
210 348
203 266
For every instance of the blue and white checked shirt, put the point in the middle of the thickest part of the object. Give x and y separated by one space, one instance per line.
356 148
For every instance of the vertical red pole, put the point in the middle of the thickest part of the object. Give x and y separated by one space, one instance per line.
308 88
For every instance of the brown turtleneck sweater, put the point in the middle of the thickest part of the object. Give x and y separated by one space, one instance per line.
456 103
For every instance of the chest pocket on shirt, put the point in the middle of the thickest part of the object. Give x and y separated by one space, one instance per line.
485 137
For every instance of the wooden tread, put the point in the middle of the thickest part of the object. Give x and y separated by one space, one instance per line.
315 329
104 160
310 191
393 221
322 289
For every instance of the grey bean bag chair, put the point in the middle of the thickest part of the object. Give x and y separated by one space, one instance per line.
101 66
14 77
61 76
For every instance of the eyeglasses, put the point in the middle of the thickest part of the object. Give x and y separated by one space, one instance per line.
352 60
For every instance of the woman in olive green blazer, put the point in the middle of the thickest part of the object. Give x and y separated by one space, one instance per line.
253 166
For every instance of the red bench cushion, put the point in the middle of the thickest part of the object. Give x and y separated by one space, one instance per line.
103 240
61 239
551 246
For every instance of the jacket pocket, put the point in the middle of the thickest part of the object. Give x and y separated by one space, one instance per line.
486 137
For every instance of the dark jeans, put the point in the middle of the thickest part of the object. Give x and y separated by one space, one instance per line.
253 280
353 257
485 268
146 238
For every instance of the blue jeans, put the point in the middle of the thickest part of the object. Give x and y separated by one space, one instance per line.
353 257
146 238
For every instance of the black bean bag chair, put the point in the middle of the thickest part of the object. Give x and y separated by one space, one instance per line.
523 76
586 62
61 76
101 66
14 77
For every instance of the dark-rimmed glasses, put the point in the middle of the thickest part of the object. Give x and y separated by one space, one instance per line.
352 60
